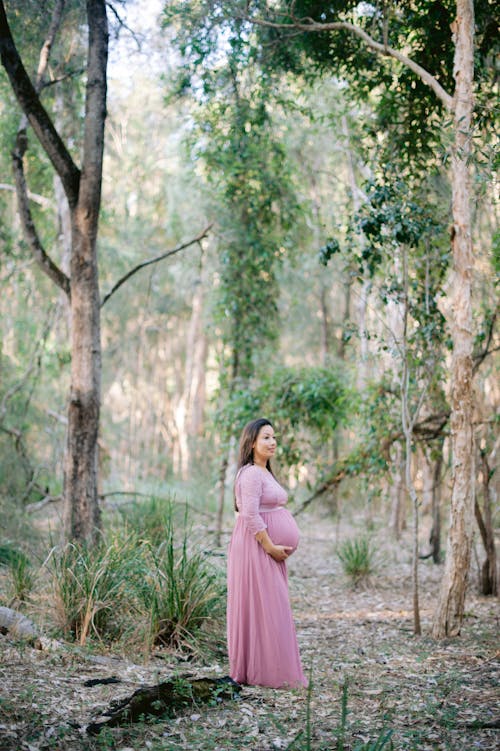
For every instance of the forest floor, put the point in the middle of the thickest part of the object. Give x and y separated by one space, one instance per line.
433 696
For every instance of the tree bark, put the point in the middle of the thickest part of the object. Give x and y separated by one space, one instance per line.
35 112
397 522
188 413
450 609
408 421
81 513
489 581
435 536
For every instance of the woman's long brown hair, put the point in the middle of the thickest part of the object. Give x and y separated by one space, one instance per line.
247 440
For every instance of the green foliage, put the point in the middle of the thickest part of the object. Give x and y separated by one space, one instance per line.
10 555
407 110
357 557
403 235
150 519
246 165
328 250
145 583
92 585
22 579
381 742
248 178
180 594
306 406
20 571
183 595
303 740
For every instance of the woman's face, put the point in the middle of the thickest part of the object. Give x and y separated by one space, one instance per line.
265 445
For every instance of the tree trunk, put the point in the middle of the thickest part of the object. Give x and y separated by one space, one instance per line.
81 509
83 191
435 536
362 371
417 629
450 608
489 582
397 522
407 423
188 413
220 503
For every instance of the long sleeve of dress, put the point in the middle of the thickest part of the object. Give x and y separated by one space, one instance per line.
250 486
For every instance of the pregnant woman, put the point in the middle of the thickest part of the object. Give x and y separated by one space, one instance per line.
261 638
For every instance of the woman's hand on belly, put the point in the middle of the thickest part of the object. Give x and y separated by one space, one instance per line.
278 552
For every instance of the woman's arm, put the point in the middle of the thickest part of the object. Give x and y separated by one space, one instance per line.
249 492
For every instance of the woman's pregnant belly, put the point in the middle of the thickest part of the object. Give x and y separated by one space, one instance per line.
282 528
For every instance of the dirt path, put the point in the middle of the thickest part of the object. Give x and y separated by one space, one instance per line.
433 696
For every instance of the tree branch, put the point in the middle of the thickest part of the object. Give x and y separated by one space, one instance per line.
31 235
47 203
89 198
481 356
35 112
142 265
67 76
43 60
123 25
37 505
28 225
427 429
309 25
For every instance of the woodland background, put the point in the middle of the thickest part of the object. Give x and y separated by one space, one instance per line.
284 201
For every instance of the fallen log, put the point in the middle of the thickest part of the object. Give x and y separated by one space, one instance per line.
17 625
164 700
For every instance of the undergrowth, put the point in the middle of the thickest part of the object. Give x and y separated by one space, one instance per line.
145 583
357 557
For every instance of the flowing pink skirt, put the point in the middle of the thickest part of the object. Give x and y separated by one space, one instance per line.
261 638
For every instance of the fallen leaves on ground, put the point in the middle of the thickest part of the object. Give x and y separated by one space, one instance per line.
434 696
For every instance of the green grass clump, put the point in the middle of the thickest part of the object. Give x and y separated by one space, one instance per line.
92 585
183 593
357 557
145 588
152 518
21 578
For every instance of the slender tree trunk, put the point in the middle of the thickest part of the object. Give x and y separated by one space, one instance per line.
417 629
489 580
407 422
450 609
325 324
346 317
83 191
435 536
397 522
188 413
220 503
81 508
362 372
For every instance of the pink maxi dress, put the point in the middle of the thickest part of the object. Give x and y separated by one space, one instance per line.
261 638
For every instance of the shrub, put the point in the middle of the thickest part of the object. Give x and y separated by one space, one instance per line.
20 572
357 557
151 594
91 586
151 518
183 593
